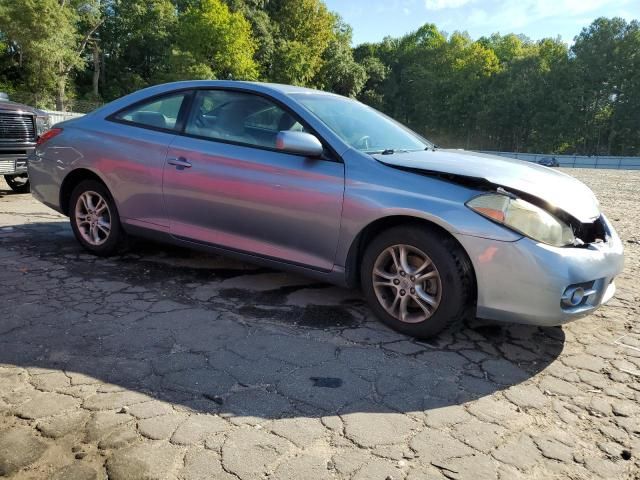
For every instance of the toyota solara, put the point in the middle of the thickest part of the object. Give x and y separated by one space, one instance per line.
323 185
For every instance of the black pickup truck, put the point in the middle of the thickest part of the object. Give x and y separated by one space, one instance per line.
20 127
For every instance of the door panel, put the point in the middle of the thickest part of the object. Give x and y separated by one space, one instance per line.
130 151
229 187
248 199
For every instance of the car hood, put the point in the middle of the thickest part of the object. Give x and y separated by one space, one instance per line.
19 107
551 186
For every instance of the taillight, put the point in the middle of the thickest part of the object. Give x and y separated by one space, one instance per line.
48 135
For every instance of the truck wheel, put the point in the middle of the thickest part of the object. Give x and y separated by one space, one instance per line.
94 218
18 183
417 281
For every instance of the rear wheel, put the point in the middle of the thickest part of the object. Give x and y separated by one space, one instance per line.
94 218
417 281
18 183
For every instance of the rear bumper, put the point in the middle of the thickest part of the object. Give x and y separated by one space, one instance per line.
525 281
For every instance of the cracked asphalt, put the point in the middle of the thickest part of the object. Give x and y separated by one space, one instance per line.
166 363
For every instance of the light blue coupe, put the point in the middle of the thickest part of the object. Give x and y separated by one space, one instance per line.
313 182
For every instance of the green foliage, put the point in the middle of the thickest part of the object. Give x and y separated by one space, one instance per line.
218 39
375 74
340 73
137 43
262 28
607 70
500 92
304 30
183 66
510 93
43 38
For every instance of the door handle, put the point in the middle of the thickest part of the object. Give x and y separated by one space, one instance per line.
180 163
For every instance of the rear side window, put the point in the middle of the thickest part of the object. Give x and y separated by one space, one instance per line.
238 117
159 113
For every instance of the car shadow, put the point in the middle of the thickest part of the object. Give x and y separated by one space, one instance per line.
219 336
6 191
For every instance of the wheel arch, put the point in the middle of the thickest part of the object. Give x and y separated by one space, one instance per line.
376 227
70 182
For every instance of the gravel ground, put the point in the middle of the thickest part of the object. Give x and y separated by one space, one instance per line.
165 363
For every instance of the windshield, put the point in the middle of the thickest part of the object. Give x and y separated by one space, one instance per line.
360 126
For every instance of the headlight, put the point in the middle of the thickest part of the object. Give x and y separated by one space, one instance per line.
524 218
42 125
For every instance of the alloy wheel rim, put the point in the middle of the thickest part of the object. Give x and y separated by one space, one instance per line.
93 218
407 283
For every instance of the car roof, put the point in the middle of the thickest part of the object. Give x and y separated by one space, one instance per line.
286 89
273 89
20 107
257 86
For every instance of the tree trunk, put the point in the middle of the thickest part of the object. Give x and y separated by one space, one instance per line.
612 127
103 70
60 93
612 136
96 70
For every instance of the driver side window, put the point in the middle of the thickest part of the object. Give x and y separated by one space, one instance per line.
238 117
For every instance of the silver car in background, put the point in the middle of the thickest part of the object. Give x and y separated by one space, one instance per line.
320 184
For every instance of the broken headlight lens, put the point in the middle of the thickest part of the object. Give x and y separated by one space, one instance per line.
523 217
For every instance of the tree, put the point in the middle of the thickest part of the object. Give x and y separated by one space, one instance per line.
137 40
46 37
375 73
624 138
500 92
469 67
303 32
340 73
219 39
607 67
263 30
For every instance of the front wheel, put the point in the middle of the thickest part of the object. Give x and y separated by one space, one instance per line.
416 280
94 218
18 183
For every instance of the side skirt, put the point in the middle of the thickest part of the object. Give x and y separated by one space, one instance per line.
336 276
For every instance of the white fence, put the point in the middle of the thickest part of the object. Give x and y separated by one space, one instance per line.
57 117
577 161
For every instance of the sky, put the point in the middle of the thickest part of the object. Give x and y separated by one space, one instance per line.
372 20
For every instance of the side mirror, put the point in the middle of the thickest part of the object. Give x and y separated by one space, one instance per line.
300 143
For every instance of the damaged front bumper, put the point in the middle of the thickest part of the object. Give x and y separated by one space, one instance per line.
530 282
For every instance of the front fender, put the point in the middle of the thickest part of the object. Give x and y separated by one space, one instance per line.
374 191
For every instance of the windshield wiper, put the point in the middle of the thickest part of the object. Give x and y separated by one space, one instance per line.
392 151
387 151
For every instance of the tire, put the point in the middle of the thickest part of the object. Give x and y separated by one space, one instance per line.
438 285
18 183
91 211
